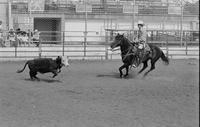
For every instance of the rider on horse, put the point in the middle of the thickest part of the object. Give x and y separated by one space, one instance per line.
140 41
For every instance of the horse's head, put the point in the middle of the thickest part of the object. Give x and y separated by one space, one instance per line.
117 42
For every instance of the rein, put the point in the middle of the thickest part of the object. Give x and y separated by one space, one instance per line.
128 51
127 54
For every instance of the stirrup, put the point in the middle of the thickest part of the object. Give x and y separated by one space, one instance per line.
133 65
150 53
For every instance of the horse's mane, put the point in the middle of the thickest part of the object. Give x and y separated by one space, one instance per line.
127 40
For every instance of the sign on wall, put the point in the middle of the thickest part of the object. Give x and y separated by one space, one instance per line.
81 8
36 5
128 8
19 1
24 23
174 10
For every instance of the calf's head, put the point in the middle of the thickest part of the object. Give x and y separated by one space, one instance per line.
62 61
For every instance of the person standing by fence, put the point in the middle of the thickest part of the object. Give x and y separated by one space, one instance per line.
18 36
12 38
36 37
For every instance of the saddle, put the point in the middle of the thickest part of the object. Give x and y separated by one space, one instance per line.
142 52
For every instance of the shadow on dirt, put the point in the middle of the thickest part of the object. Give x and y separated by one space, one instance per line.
44 80
116 75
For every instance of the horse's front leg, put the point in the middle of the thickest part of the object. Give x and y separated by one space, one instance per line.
120 70
127 70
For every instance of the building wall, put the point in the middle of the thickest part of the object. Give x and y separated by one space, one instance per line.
3 13
99 22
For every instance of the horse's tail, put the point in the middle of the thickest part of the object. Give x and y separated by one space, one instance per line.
19 71
165 58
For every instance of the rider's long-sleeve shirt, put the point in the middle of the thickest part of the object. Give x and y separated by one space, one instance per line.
141 36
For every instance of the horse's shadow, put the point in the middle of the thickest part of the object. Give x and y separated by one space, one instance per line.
44 80
117 75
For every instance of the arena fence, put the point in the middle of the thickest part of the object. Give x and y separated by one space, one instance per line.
77 45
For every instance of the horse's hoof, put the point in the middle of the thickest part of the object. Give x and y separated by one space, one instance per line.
145 75
125 75
38 79
32 79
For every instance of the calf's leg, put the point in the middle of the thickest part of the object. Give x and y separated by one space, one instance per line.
33 75
55 73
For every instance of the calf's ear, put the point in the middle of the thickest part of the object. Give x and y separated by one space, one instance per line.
58 58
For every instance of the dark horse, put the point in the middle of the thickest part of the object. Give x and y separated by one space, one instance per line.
127 52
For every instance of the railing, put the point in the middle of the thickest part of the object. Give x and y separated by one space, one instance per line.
96 46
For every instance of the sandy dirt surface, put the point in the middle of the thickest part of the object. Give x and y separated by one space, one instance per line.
91 94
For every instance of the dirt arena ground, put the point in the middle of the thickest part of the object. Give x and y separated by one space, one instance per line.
91 94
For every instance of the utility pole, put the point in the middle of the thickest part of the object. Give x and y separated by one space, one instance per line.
181 23
30 14
85 33
30 18
10 23
133 16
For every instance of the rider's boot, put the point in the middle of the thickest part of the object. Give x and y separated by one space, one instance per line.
148 51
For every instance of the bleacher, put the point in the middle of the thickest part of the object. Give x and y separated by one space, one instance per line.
111 7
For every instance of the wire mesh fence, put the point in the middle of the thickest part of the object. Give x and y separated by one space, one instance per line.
70 46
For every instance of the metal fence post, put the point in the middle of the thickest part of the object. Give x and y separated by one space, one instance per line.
15 51
63 44
106 45
84 44
186 45
167 49
40 49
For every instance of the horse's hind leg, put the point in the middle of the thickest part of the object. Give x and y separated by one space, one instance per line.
152 66
145 65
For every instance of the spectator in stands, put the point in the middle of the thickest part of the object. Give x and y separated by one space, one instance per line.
18 36
24 38
18 31
36 37
12 38
2 41
54 5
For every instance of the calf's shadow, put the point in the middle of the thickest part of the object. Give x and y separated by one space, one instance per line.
44 80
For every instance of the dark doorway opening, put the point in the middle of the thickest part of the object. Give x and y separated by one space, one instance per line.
50 29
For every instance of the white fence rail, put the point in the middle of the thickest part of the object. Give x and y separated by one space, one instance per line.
91 52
